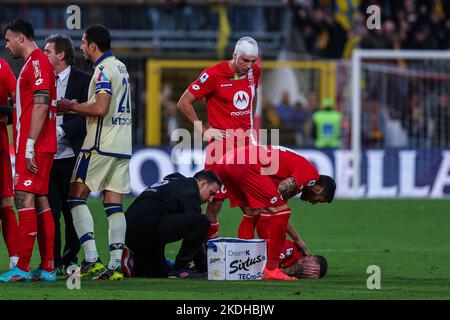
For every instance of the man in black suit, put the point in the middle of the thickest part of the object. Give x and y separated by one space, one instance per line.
70 131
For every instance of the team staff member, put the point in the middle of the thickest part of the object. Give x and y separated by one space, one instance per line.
229 88
35 146
8 219
167 212
71 83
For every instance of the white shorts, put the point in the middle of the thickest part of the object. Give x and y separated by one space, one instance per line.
101 172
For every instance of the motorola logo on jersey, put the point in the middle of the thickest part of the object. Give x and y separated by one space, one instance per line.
241 100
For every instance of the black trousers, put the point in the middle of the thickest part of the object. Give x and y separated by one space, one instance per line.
148 237
57 196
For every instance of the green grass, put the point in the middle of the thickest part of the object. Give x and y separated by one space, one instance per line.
407 239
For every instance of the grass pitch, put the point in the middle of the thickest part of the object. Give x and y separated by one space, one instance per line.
407 239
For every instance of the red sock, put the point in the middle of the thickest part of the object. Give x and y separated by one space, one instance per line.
247 227
27 234
213 231
46 239
10 229
277 237
263 226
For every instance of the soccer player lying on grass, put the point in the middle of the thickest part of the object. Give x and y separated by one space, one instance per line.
296 261
166 212
254 183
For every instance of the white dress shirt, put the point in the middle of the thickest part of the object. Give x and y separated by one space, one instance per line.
64 150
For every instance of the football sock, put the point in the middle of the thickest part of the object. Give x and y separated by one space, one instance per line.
247 227
116 232
277 237
10 229
46 239
263 226
27 234
84 226
213 231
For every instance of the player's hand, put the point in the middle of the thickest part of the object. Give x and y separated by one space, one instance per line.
213 133
301 246
64 105
29 156
310 270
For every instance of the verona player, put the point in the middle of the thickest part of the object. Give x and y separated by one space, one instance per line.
8 219
35 146
229 88
103 162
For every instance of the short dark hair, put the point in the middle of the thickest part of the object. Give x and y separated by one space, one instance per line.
99 35
20 26
329 187
322 264
64 44
209 176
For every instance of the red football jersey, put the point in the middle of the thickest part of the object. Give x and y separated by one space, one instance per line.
7 86
229 96
291 164
37 74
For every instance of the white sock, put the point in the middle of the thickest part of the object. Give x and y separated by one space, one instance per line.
84 226
116 235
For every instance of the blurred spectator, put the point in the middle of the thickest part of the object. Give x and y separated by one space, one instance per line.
284 110
372 125
169 108
328 126
415 122
302 124
269 115
441 118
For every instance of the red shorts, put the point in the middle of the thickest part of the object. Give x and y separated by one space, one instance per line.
6 184
25 180
215 152
247 187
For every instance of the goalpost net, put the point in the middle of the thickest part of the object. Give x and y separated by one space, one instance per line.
400 122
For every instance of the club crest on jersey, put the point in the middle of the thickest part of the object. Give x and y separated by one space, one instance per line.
241 100
203 77
37 69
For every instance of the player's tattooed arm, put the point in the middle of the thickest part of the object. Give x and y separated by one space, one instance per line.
41 97
19 199
287 186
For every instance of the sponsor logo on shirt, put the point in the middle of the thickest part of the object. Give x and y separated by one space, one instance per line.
37 69
311 183
237 77
27 183
226 85
195 87
273 200
241 100
39 82
203 77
